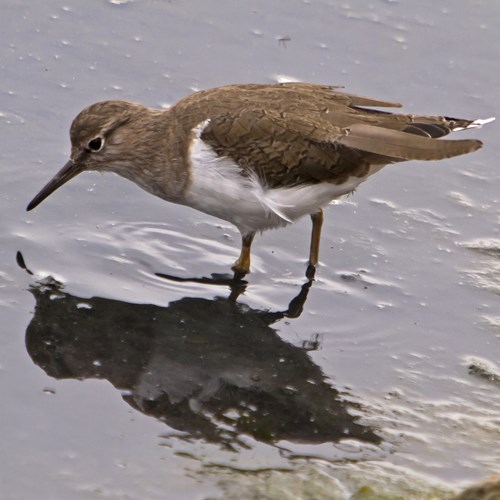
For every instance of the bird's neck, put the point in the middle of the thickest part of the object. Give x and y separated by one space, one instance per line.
158 162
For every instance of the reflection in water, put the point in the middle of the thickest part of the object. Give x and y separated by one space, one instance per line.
213 369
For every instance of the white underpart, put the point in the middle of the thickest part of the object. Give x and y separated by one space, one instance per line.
476 123
219 188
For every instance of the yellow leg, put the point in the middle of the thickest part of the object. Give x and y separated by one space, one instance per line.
317 222
242 265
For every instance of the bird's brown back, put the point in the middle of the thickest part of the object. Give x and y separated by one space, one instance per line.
304 133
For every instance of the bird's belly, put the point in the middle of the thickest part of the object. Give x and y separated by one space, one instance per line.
251 206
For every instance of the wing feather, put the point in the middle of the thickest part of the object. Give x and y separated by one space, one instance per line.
402 145
301 133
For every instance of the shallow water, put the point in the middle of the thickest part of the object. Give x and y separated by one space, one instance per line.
119 381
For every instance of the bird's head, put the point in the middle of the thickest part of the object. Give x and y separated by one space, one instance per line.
103 138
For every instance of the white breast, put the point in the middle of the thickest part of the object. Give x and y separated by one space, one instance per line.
218 188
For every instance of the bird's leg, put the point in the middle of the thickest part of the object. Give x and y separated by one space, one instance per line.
242 265
317 222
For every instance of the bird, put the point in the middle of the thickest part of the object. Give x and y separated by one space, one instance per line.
259 156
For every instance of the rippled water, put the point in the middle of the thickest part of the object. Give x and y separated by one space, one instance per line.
130 368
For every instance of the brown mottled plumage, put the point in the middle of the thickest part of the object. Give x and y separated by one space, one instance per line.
259 156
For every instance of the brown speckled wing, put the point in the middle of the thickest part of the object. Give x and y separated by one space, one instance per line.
283 150
301 133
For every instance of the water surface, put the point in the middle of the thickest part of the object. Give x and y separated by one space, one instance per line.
120 383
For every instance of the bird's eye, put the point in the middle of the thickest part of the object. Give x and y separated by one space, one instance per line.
96 144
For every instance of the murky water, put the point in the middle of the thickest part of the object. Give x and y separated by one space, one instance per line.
121 377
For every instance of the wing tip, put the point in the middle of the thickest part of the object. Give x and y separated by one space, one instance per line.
478 123
481 121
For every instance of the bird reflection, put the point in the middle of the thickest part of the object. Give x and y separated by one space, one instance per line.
211 368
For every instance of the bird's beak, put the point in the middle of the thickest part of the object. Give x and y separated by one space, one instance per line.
70 170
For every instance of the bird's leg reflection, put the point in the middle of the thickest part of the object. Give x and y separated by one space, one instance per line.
238 286
296 305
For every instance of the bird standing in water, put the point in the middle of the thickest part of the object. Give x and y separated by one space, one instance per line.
260 156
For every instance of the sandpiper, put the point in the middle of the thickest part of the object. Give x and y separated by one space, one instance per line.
259 156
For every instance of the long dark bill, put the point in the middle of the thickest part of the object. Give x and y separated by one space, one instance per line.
66 173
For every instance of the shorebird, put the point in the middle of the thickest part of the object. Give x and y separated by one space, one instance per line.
260 156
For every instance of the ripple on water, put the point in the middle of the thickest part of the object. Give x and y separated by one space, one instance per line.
423 426
120 258
461 199
486 273
343 481
11 118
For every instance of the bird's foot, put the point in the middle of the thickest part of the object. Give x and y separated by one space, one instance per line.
239 272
